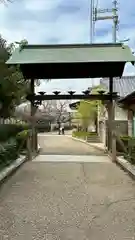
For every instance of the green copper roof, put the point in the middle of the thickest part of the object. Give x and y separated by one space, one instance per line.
72 61
90 53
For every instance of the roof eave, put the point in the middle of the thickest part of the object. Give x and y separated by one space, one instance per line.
127 98
44 67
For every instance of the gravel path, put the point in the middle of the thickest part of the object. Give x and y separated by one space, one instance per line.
68 201
55 144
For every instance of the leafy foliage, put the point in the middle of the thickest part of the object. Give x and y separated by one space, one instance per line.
12 143
8 131
129 147
21 139
8 152
83 134
87 110
13 87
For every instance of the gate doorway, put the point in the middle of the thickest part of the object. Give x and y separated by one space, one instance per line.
73 61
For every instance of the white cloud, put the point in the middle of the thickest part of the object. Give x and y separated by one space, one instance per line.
64 21
41 5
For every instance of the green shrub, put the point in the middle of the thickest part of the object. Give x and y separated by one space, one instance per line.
8 152
129 143
131 150
43 128
21 139
83 134
125 140
92 134
10 130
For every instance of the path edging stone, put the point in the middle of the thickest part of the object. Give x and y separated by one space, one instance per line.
126 166
7 171
89 144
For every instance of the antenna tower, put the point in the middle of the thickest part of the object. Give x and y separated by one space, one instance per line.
104 14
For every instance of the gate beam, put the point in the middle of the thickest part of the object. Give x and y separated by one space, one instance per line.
102 97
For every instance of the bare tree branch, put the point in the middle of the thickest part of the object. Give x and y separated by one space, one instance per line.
61 109
5 1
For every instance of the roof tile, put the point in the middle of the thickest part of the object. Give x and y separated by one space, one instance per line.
123 86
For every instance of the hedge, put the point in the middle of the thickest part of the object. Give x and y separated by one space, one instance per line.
8 152
11 130
125 140
129 143
81 134
21 139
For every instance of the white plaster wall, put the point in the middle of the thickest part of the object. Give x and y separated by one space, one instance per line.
120 113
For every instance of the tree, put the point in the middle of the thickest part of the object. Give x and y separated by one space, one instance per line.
57 109
87 110
61 110
85 114
13 87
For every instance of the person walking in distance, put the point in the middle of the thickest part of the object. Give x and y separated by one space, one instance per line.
62 129
59 128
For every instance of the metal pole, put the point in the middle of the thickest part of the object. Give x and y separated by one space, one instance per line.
115 21
91 21
32 86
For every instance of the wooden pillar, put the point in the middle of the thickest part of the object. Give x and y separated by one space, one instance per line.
29 150
109 138
114 150
130 123
111 123
33 110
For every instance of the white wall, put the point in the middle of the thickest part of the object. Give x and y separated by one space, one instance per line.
120 113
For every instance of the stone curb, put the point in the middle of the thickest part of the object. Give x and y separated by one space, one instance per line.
7 171
126 166
89 144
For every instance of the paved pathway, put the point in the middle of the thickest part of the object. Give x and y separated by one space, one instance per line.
68 201
58 144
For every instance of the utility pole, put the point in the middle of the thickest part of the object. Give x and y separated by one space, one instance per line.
115 20
105 14
91 20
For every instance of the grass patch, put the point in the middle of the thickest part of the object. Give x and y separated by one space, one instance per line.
83 134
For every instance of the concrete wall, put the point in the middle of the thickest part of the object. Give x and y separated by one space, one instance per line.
120 114
121 122
121 127
130 123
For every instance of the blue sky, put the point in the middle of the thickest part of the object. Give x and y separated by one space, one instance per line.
64 21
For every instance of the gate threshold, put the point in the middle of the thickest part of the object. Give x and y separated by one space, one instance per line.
72 158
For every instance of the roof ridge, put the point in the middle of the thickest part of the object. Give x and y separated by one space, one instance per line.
74 45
